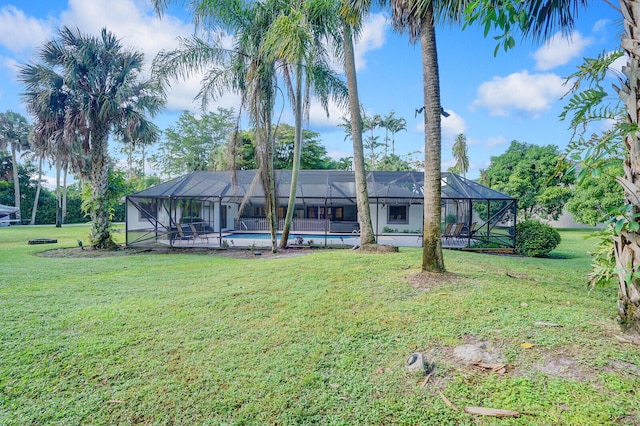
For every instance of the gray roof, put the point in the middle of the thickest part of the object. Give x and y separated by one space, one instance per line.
316 184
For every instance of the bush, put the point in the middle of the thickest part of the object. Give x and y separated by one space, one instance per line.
535 239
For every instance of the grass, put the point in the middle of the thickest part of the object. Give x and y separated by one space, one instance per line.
318 339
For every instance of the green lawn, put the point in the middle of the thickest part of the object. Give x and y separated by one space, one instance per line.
314 339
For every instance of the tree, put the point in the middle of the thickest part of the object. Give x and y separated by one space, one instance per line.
418 19
295 39
351 16
313 156
529 173
245 69
595 195
195 142
14 134
394 162
370 124
395 125
103 95
459 152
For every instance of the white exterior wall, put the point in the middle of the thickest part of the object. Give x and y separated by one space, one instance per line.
379 216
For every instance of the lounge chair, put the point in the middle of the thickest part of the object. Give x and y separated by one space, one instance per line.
457 232
447 231
181 235
198 235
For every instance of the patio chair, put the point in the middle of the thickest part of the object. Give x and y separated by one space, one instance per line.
198 235
457 232
447 231
181 235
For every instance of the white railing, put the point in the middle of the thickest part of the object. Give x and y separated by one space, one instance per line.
261 224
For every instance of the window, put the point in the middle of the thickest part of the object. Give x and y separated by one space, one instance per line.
148 209
397 214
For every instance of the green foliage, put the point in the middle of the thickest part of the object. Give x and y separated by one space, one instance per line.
196 142
535 239
594 194
451 218
117 189
529 173
313 156
603 264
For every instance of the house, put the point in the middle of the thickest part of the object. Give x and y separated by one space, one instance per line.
227 205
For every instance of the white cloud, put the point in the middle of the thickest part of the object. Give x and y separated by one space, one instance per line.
318 116
137 25
600 25
371 38
519 93
560 50
453 125
19 33
134 22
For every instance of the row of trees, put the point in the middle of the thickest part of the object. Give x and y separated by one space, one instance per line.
380 155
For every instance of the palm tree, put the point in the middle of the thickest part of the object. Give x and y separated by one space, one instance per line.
295 39
395 125
352 15
245 69
418 19
484 178
459 151
14 134
97 89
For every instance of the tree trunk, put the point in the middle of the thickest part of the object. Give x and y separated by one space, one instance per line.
64 192
627 244
432 259
297 151
58 196
367 236
100 232
37 197
16 181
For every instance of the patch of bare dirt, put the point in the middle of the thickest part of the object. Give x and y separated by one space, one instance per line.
87 252
429 280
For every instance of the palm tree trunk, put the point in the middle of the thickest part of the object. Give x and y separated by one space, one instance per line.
297 151
58 195
432 259
627 243
100 233
64 191
16 181
367 235
37 197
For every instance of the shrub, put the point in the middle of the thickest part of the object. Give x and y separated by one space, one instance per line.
451 218
535 239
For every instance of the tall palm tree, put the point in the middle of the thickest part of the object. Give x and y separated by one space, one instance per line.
103 94
395 125
245 69
296 40
460 154
418 19
14 134
352 15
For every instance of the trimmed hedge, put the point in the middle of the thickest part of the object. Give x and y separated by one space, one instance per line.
535 239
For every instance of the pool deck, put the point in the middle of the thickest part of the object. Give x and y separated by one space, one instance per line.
347 240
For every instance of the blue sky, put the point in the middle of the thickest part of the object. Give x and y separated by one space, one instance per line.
492 100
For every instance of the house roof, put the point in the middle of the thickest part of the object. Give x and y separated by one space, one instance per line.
316 185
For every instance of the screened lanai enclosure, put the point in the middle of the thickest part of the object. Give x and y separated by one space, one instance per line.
226 209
